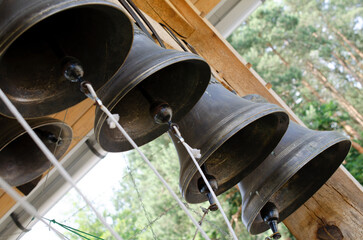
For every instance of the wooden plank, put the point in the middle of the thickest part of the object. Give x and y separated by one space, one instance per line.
71 115
82 126
205 6
338 203
7 202
180 24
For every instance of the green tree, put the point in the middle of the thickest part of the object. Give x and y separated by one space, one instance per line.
144 209
311 62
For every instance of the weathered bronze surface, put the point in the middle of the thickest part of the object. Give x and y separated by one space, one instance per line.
233 134
21 160
36 36
177 78
300 164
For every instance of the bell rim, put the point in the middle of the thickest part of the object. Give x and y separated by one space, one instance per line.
179 57
256 228
272 110
38 123
51 11
44 121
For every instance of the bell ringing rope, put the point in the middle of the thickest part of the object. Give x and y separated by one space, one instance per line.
92 94
191 152
53 160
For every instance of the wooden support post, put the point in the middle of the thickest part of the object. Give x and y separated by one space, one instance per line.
337 208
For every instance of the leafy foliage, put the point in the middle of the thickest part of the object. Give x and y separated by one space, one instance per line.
280 40
162 218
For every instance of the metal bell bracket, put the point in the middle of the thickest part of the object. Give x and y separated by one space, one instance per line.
87 88
189 149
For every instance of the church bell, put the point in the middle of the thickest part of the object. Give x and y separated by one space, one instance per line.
300 164
150 76
234 136
40 38
21 160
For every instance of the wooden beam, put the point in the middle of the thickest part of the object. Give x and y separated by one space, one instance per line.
7 202
71 115
338 205
205 6
179 23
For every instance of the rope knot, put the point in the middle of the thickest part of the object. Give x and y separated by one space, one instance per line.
111 123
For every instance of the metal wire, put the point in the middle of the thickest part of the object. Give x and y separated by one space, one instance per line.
140 200
172 35
135 17
147 23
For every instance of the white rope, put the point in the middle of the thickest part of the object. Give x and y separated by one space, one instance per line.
25 204
187 147
53 160
122 130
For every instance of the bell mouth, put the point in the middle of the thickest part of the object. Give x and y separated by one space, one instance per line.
179 81
21 160
310 176
98 35
239 152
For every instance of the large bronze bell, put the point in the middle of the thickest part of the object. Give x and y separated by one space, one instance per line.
150 75
21 160
300 164
39 37
233 135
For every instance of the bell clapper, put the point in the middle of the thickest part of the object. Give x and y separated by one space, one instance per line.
160 110
50 137
72 69
204 189
270 215
73 72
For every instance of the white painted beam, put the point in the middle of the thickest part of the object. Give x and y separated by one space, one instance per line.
236 16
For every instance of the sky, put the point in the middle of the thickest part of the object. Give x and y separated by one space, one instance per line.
98 192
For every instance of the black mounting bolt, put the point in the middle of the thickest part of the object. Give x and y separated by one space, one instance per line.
204 189
270 215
